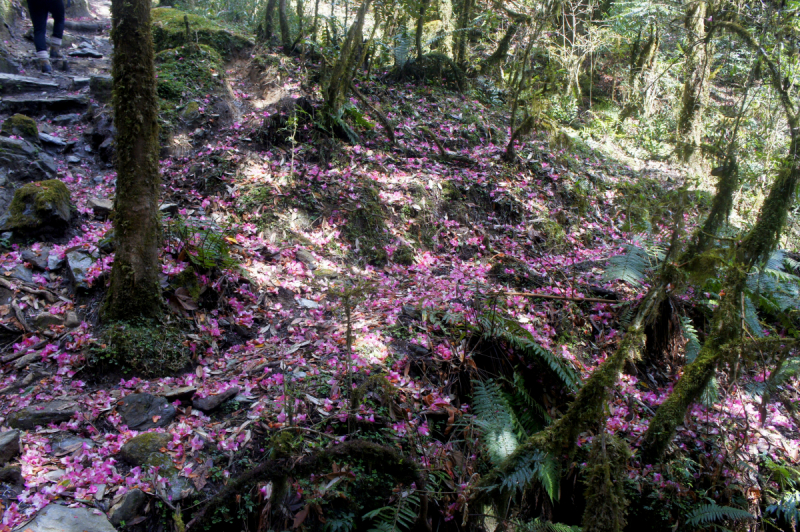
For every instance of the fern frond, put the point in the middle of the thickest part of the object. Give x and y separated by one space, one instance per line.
527 414
493 417
751 318
535 466
692 341
711 513
633 265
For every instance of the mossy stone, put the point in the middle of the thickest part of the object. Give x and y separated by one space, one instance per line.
137 450
43 206
22 126
101 87
404 255
169 31
191 113
146 348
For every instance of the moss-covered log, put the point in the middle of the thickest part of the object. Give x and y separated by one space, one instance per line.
134 289
606 503
695 87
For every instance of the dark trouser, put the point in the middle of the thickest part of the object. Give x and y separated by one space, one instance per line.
39 10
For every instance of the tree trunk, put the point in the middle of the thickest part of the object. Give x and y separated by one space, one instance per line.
315 27
286 39
695 87
421 25
80 8
269 27
501 52
754 247
134 290
341 75
464 18
300 12
642 86
446 16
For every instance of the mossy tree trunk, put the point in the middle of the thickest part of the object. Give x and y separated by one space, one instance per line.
462 36
423 7
754 247
446 16
135 290
286 38
695 87
343 70
269 26
641 83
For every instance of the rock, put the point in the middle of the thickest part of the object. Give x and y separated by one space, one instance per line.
23 161
37 259
72 159
11 475
21 126
106 150
55 262
20 272
9 445
142 411
191 114
306 258
86 50
36 105
169 208
44 320
307 303
139 448
29 418
62 444
78 263
38 208
213 401
10 83
79 83
179 486
57 518
52 140
68 119
326 273
101 207
127 508
72 321
100 87
179 394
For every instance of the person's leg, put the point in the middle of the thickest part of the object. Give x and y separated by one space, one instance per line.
56 8
38 12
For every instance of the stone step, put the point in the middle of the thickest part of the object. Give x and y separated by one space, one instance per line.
39 104
12 83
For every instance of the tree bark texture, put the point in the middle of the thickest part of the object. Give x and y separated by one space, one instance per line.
134 290
269 26
695 87
446 16
286 38
341 75
462 36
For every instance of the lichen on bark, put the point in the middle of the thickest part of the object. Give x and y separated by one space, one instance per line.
134 290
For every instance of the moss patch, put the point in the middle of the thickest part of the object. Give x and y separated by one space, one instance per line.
144 348
366 224
37 206
169 31
404 255
187 73
22 126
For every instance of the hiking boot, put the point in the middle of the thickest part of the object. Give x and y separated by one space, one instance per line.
55 52
44 64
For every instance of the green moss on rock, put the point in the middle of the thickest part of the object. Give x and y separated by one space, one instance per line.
137 450
40 207
169 31
22 126
142 347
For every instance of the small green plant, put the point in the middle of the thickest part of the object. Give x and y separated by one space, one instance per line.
200 243
709 515
398 516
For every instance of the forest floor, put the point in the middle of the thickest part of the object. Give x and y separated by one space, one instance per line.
272 235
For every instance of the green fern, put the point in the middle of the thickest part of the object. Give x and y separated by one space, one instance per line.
528 415
399 516
540 525
202 243
493 416
692 341
707 514
535 466
633 266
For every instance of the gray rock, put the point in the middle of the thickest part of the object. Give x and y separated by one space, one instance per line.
80 82
86 51
127 508
44 320
100 87
179 486
9 445
56 518
68 119
29 418
306 258
307 303
62 444
20 272
100 206
72 159
78 263
37 105
73 320
139 409
44 207
11 475
54 262
10 83
21 161
139 448
169 208
213 401
178 394
51 139
37 259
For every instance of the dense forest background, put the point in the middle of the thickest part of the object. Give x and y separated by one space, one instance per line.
424 265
